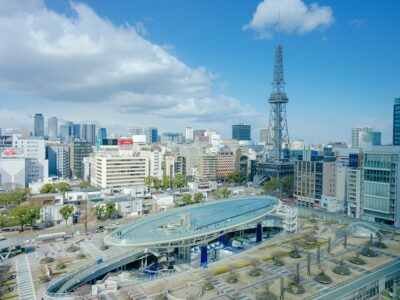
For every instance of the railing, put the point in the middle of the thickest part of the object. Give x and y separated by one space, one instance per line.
359 276
88 273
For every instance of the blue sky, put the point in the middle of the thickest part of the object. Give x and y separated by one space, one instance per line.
341 74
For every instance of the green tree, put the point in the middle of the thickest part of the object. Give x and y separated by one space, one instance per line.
25 214
187 199
166 183
66 211
271 186
84 185
226 192
48 188
33 215
179 181
198 197
149 180
63 187
235 176
99 212
13 197
287 185
110 209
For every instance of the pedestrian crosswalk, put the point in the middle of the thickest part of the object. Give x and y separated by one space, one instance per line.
26 289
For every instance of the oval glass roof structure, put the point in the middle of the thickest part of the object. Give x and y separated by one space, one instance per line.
192 224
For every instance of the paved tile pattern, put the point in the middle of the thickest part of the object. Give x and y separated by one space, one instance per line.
26 290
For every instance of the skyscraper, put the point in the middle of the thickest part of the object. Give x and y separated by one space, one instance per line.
396 122
88 133
241 132
52 128
76 131
137 130
66 132
102 133
360 135
78 151
38 129
365 135
151 135
189 134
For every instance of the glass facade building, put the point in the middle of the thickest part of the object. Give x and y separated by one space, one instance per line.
380 185
396 122
241 132
102 133
38 129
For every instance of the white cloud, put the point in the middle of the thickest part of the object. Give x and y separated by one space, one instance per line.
87 59
357 23
289 16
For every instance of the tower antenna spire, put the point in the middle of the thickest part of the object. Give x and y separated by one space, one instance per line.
279 24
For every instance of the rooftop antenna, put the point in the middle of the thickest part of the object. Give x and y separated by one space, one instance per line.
279 24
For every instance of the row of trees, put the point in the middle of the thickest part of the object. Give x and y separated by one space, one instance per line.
60 187
104 212
166 182
235 177
276 186
13 197
188 199
221 193
20 215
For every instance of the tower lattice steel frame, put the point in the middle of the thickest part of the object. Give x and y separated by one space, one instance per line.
277 145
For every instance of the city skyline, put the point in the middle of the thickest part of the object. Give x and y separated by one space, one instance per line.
203 82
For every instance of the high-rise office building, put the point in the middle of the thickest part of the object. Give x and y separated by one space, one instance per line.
208 167
360 135
34 148
102 133
396 122
76 131
136 130
78 151
38 129
88 133
189 134
365 136
380 195
66 132
59 160
151 135
263 134
52 128
172 137
241 132
376 138
314 176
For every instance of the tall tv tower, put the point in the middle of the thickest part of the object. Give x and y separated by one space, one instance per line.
277 146
276 158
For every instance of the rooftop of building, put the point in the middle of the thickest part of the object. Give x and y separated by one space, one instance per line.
192 221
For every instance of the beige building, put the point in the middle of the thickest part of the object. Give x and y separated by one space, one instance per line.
208 167
119 169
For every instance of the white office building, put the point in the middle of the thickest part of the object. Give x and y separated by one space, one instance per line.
14 168
116 169
34 148
189 133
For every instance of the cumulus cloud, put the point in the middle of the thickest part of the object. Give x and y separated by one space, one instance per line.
289 16
85 58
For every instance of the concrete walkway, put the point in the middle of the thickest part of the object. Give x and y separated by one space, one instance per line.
26 291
